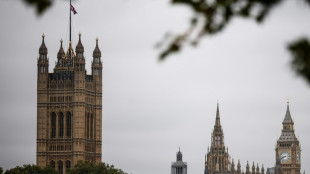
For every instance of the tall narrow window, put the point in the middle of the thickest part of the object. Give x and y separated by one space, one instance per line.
60 167
53 164
87 126
91 126
69 121
61 124
68 165
53 120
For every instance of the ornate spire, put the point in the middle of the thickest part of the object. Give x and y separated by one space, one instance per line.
97 52
43 49
79 47
247 168
61 51
257 169
238 167
263 170
217 121
288 119
232 166
253 168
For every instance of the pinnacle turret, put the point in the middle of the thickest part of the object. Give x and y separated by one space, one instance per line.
232 166
61 51
43 49
238 167
79 47
253 168
97 52
247 168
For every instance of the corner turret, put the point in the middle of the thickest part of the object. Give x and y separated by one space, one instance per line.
43 60
79 49
60 55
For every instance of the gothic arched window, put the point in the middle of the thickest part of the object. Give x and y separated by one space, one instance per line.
68 165
60 167
69 123
53 121
53 164
61 124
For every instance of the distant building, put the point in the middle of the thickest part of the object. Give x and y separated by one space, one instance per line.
288 150
218 160
270 170
179 167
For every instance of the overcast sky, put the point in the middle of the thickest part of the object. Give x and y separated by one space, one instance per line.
152 108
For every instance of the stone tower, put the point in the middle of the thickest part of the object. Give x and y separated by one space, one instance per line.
69 108
288 151
179 167
217 157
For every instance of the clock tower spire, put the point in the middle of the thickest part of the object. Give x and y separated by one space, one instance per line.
288 149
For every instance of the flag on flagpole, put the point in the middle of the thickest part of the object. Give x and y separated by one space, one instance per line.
73 9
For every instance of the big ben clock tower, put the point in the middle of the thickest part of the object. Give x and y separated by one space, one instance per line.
288 150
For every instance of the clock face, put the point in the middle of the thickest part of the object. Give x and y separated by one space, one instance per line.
285 156
298 156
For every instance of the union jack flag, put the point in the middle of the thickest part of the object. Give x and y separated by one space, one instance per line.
73 9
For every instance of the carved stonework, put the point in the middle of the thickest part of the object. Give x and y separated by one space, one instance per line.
69 109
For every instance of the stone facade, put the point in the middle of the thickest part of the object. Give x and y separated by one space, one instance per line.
69 108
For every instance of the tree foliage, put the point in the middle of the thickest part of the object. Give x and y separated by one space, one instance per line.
211 17
33 169
40 5
300 50
90 168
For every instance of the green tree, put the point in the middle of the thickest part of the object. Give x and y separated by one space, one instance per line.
214 16
1 170
89 168
33 169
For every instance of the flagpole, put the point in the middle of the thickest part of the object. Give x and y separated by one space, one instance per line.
70 19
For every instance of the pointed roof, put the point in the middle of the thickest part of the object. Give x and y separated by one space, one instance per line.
79 47
97 52
232 162
70 52
247 166
61 51
217 120
43 49
288 118
179 155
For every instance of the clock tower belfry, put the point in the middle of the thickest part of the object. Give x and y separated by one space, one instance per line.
288 151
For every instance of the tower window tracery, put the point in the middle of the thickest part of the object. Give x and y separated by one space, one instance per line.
69 122
53 122
61 124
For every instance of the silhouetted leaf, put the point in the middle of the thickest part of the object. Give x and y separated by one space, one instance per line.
300 50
